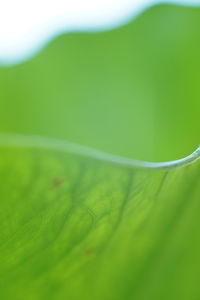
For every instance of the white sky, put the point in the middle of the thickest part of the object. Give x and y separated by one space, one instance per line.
25 26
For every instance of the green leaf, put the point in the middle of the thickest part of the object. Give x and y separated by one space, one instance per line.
133 91
76 227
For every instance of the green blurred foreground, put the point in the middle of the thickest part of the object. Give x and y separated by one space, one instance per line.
76 228
133 91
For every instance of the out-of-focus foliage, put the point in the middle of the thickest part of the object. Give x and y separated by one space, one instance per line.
133 91
77 228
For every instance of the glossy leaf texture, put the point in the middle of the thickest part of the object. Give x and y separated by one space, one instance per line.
78 228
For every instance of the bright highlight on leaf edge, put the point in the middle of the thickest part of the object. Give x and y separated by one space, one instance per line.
19 140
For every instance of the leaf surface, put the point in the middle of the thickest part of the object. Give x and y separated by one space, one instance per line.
74 227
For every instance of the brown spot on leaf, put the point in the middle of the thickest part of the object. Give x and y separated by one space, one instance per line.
57 182
89 251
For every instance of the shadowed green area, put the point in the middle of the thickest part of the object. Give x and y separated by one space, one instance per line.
76 228
133 91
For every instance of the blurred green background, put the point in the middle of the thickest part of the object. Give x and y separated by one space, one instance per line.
132 91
